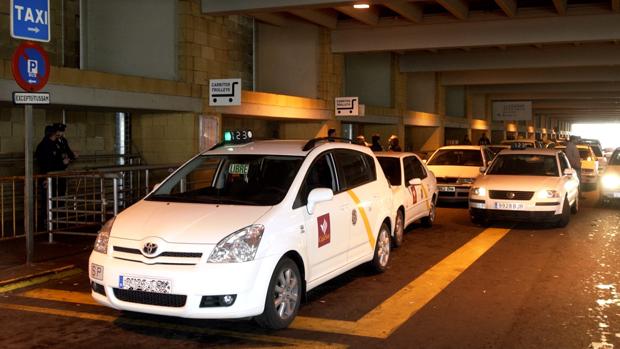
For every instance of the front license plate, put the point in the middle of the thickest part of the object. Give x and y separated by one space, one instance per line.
509 206
450 189
96 271
138 283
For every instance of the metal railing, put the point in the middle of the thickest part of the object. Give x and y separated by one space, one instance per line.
75 202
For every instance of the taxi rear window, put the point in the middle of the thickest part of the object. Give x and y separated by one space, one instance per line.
457 157
391 168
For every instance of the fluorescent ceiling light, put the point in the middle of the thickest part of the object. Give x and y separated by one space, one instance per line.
361 6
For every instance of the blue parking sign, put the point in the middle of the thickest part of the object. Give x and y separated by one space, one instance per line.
30 20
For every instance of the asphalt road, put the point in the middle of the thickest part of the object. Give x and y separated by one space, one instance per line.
531 287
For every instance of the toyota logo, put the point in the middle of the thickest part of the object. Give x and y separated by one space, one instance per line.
149 248
510 195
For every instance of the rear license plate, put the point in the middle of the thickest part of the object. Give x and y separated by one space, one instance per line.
450 189
138 283
509 206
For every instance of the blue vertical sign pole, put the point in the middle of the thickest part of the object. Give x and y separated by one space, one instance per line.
30 20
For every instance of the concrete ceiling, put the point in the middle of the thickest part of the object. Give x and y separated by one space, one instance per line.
563 55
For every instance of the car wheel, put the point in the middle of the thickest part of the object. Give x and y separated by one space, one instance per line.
575 207
382 250
399 230
430 219
565 216
283 296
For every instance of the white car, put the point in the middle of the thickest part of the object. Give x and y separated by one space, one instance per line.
589 164
610 180
414 188
527 143
243 230
526 185
456 167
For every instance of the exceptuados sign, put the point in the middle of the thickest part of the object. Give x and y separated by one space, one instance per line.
31 98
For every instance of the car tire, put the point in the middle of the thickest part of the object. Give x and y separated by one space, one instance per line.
286 287
381 256
430 219
399 229
575 207
565 216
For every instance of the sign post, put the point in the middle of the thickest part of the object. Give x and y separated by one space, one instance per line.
31 71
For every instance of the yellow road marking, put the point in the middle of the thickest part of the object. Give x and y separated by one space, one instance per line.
386 318
382 321
371 237
60 296
298 343
39 280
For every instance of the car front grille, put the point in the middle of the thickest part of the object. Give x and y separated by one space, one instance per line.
510 195
150 298
169 257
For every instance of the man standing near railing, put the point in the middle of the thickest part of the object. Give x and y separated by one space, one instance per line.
63 144
49 159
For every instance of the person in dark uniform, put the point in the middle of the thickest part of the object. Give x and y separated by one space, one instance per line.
394 144
63 144
376 146
484 140
49 160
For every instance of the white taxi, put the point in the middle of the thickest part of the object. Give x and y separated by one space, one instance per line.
610 180
414 188
589 164
526 185
456 167
243 230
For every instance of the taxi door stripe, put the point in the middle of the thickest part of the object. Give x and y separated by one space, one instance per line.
371 237
425 193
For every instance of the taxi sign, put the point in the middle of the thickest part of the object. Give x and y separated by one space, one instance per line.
30 20
238 136
31 67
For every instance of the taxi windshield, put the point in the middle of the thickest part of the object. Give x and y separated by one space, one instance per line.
457 157
524 165
256 180
584 154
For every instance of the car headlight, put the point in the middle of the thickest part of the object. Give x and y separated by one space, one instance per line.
240 246
610 181
548 194
481 191
101 244
465 180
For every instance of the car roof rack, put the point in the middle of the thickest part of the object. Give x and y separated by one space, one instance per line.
313 142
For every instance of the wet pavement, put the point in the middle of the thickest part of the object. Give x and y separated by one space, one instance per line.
534 288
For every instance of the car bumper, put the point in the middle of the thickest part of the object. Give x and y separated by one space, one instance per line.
247 281
546 210
460 192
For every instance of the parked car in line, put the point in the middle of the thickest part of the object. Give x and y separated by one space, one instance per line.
529 143
456 167
602 159
610 180
531 185
414 189
496 148
244 229
589 165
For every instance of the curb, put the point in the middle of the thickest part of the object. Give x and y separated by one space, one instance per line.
38 278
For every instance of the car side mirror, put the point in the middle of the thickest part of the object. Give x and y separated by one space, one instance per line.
569 172
318 195
415 181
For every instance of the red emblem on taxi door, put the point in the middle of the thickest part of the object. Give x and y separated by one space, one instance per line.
324 229
414 194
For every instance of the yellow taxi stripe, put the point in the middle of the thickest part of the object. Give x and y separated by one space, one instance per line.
371 237
39 279
425 191
170 326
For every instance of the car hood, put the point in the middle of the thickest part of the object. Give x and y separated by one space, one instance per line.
184 222
455 171
517 183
